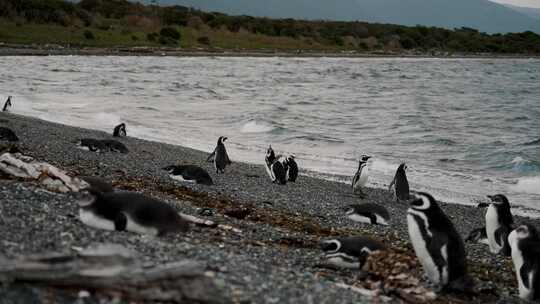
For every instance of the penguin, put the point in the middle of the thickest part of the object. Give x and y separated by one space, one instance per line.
368 213
269 159
499 223
220 156
292 168
437 244
7 105
189 173
8 134
98 184
350 252
525 250
478 235
91 144
114 146
360 178
400 183
129 211
120 130
275 167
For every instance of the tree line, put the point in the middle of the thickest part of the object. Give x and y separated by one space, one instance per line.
358 35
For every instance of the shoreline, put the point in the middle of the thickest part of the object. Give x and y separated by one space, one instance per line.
277 247
57 50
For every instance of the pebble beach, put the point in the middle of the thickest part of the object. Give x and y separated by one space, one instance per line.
272 257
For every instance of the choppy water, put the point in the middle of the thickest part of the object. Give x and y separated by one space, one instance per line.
465 127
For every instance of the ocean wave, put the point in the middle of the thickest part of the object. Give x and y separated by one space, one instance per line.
533 142
256 127
529 185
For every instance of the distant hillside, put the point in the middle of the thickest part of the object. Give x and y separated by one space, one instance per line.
483 15
107 23
529 11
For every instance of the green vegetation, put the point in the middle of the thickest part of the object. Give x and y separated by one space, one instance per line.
105 23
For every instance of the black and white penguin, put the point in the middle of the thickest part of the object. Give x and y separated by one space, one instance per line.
400 183
292 168
362 174
525 247
369 213
478 235
7 105
189 173
129 211
220 156
499 223
7 134
114 146
437 244
275 167
120 130
350 252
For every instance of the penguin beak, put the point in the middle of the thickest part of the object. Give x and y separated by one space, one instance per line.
225 138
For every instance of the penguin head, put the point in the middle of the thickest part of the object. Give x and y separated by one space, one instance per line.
499 200
221 140
87 197
330 246
525 231
365 158
422 201
123 129
169 169
402 167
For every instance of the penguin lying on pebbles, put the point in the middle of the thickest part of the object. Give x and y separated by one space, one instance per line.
103 145
437 244
349 252
189 173
220 156
499 222
400 183
129 211
368 213
275 167
7 105
7 134
120 130
361 177
525 249
478 235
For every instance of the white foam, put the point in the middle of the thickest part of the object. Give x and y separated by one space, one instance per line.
529 185
256 127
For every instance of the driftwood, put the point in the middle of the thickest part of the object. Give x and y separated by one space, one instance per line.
112 269
52 178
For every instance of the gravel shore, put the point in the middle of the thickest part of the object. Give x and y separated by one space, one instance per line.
273 260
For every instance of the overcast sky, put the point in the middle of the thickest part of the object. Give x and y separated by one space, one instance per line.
527 3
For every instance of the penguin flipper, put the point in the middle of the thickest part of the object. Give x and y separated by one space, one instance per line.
501 238
211 157
355 179
392 184
439 252
120 222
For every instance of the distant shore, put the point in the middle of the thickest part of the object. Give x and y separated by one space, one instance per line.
58 50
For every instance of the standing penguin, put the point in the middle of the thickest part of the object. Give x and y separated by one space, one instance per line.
129 211
437 244
525 246
400 183
361 177
275 167
120 130
499 223
350 252
220 156
292 168
7 105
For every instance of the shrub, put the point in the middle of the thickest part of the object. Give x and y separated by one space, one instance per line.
170 32
134 38
89 35
152 36
204 40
